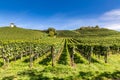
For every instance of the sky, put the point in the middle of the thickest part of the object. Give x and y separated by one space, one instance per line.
60 14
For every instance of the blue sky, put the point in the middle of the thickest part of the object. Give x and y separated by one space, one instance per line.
60 14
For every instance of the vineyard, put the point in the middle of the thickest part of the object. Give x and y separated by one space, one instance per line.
62 58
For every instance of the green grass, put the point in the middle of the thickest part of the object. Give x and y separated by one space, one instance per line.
16 33
67 33
93 71
101 32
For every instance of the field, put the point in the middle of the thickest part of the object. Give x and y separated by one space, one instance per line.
82 54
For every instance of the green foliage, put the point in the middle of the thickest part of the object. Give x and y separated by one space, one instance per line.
79 59
67 33
90 27
96 32
65 56
85 45
51 29
97 26
51 33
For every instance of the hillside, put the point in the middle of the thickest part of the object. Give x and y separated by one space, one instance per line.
8 33
82 54
92 32
96 32
67 33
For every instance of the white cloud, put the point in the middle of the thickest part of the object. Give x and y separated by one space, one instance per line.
111 19
111 15
113 26
113 12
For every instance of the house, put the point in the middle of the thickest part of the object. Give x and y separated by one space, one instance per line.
12 25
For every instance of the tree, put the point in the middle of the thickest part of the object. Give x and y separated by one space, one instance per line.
97 26
51 32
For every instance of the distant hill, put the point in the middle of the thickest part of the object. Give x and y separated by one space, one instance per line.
67 33
84 32
97 32
15 33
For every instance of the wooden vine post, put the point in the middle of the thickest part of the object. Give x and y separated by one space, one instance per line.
52 54
89 55
31 58
72 55
106 54
21 53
